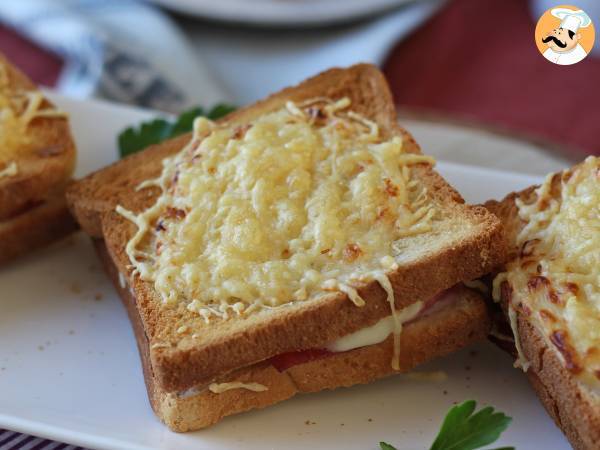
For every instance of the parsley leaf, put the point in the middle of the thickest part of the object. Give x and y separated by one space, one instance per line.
465 429
134 139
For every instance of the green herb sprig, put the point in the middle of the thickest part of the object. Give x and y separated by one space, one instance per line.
133 139
465 429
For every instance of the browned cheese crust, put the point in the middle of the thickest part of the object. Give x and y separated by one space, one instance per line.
573 407
447 330
180 362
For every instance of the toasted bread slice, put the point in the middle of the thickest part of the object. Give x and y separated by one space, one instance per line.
552 370
42 153
463 321
37 157
463 246
38 226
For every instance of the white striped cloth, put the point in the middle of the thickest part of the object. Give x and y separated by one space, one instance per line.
108 53
11 440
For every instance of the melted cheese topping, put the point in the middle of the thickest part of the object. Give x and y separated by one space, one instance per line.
219 388
304 200
17 109
557 273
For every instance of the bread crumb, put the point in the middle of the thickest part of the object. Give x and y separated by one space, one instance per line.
97 296
307 422
75 288
445 392
370 420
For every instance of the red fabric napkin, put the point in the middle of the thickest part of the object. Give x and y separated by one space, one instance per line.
42 66
477 60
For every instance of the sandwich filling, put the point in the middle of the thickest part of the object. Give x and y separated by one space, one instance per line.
219 388
368 336
365 337
304 201
555 280
18 108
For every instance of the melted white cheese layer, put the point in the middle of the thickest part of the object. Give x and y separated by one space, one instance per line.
377 333
219 388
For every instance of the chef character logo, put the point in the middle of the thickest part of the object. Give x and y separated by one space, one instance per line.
564 35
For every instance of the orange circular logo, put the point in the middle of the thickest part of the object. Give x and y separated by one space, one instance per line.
564 35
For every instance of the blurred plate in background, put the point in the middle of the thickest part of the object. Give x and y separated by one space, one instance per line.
281 12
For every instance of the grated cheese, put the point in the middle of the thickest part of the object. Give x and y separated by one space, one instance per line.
384 282
303 200
558 270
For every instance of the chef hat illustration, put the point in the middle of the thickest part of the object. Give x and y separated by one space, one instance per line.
572 20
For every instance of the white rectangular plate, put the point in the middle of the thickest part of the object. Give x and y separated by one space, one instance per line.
69 368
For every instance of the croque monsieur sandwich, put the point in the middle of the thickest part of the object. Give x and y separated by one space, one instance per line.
299 244
37 156
550 293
